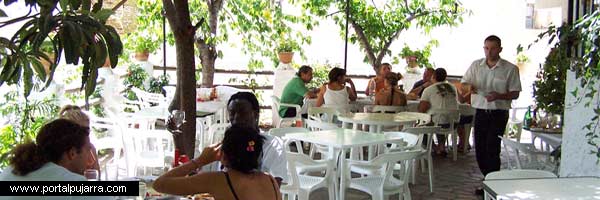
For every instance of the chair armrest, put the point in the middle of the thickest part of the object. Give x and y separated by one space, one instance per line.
297 107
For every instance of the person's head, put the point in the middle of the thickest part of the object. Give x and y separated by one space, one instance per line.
61 141
384 69
75 114
391 79
439 75
305 73
492 46
242 148
337 75
427 74
244 109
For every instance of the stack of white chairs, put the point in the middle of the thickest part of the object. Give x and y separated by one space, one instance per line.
302 184
152 149
449 117
112 165
425 146
215 134
275 108
534 158
516 174
381 186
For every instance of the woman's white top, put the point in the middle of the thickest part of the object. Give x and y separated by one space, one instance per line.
336 98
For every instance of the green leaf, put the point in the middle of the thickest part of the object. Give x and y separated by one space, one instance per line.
97 6
2 13
103 15
75 4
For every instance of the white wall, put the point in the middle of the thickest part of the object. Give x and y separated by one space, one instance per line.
576 159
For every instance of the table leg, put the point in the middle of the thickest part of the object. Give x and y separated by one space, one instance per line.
342 169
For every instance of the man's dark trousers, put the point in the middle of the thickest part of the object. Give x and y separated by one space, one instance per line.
489 124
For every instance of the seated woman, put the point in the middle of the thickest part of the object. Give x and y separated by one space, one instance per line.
377 83
239 152
391 95
336 93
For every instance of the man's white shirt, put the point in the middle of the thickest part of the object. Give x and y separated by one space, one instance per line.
501 78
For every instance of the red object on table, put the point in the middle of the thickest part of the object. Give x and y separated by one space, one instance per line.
177 157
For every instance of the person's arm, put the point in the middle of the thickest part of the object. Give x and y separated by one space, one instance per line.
176 182
403 101
493 96
367 90
321 96
424 106
351 90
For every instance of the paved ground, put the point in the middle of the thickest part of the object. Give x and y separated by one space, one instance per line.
452 180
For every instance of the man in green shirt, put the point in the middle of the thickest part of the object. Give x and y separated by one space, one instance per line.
295 91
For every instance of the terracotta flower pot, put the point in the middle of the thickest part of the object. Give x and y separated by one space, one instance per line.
285 57
142 56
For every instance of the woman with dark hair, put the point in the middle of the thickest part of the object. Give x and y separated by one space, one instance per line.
336 93
239 152
391 95
61 152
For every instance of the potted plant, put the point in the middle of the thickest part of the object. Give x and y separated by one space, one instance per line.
285 50
522 60
142 45
418 57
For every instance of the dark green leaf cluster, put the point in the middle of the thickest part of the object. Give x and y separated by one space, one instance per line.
73 28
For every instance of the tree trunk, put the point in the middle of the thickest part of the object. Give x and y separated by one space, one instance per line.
365 45
178 14
208 51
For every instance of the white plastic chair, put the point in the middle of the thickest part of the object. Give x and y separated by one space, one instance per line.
409 142
447 117
215 134
113 140
517 174
275 108
313 125
513 121
324 114
302 185
381 186
388 109
152 148
281 132
535 159
426 155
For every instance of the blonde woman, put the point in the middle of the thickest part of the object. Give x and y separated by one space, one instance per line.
74 114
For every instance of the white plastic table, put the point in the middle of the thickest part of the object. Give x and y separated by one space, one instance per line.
544 188
354 105
377 120
338 141
552 137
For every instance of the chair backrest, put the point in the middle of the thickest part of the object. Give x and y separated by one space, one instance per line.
324 114
389 160
276 101
388 109
280 132
216 132
409 140
421 132
445 116
314 125
519 173
293 159
155 143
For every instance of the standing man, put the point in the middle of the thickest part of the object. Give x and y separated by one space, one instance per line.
494 83
295 91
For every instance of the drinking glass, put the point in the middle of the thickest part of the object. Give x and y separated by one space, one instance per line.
142 190
178 118
91 175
